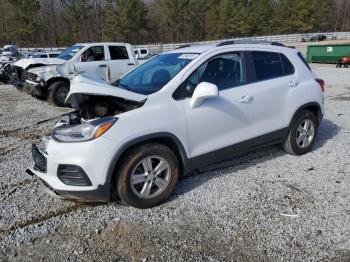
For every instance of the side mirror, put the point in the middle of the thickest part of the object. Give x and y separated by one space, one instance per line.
203 91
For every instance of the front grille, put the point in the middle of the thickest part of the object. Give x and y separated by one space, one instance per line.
31 76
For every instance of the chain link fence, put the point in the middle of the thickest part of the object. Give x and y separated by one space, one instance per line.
287 39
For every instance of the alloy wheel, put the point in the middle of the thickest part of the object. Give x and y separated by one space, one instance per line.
305 133
150 177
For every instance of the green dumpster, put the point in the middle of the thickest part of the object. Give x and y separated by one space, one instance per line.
327 53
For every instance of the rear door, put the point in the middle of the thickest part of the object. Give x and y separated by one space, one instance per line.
121 60
274 78
93 62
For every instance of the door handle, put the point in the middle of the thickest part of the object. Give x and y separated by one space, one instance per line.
102 65
246 99
293 83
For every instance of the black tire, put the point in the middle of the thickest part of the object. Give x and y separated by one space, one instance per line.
57 93
290 145
131 161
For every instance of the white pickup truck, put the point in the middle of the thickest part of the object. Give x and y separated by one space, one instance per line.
50 78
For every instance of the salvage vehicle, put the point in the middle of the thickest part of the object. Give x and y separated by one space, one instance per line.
11 51
177 112
49 78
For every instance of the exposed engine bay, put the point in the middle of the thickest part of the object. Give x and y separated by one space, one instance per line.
95 107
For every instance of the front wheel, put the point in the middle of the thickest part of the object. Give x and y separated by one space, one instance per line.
147 175
57 93
302 134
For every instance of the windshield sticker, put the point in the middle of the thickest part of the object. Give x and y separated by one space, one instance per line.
188 56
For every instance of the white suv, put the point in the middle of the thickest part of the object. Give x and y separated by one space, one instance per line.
179 111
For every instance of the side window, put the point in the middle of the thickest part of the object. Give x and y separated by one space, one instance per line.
53 55
288 68
270 65
95 53
224 71
304 61
143 51
118 52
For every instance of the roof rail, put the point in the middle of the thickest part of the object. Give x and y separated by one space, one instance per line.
237 42
183 46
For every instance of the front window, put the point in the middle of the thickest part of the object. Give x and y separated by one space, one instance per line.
225 71
151 76
70 52
92 54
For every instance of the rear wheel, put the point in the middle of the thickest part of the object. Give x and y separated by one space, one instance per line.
57 93
147 175
302 134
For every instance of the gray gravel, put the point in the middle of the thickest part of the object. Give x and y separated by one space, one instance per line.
264 206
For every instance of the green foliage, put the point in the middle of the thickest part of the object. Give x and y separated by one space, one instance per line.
63 22
125 19
23 23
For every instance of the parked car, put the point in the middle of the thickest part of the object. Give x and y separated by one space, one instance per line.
11 51
175 113
50 77
318 38
143 53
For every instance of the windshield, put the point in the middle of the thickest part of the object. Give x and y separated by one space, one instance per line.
70 52
151 76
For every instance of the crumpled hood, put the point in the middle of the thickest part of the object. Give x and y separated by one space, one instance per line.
82 86
46 72
26 62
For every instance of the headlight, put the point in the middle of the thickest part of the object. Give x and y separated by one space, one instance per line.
83 132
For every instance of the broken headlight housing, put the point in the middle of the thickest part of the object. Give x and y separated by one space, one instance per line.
83 132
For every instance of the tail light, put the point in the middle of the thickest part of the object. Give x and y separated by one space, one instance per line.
321 82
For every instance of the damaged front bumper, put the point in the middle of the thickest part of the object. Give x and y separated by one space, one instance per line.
72 171
6 73
35 85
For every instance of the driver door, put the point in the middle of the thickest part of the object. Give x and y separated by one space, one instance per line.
221 122
93 62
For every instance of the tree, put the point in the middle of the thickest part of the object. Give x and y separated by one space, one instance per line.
22 22
125 20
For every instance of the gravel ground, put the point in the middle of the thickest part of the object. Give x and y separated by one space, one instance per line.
264 206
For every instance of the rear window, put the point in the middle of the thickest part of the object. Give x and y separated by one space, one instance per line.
304 61
270 65
53 55
118 52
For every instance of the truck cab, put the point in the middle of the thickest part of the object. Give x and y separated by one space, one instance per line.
50 77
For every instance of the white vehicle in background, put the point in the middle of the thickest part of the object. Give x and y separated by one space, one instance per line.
142 53
49 78
177 112
10 51
45 55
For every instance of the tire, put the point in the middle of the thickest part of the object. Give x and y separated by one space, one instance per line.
304 127
57 93
133 165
